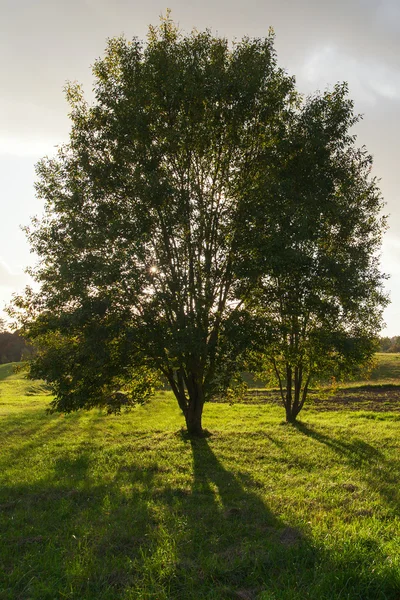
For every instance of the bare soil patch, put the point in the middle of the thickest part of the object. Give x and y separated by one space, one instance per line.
374 398
377 398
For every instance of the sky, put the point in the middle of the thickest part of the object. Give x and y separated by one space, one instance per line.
45 43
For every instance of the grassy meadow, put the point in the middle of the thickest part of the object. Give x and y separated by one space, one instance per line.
127 507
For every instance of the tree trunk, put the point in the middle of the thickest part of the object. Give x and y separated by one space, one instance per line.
291 414
293 397
194 410
288 400
193 417
189 392
296 404
293 409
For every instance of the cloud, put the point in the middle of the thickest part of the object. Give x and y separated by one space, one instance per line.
11 279
370 80
391 259
388 14
35 148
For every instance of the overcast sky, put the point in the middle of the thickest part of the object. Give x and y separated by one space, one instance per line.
44 43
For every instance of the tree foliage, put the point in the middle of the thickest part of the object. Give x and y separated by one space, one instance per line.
199 211
140 243
317 249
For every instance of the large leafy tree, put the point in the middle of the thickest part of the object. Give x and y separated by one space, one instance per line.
316 227
139 248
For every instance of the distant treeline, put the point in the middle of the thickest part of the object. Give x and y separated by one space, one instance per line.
389 344
12 347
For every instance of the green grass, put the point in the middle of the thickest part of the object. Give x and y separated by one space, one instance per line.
127 507
387 368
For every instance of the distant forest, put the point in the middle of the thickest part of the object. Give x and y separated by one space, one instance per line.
389 344
13 347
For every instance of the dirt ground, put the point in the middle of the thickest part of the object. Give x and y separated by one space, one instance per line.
379 398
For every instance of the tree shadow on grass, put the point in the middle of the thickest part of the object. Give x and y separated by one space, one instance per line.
235 547
160 517
372 466
34 429
72 533
356 451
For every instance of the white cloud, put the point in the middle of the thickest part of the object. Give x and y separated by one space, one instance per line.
11 279
26 147
391 259
369 80
11 282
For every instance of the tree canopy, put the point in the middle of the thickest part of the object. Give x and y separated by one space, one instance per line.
317 244
139 244
198 206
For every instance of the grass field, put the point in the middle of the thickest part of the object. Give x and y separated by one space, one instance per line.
127 507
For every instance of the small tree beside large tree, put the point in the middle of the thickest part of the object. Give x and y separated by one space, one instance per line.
317 226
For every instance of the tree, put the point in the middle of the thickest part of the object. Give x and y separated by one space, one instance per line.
139 247
316 233
387 344
12 345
